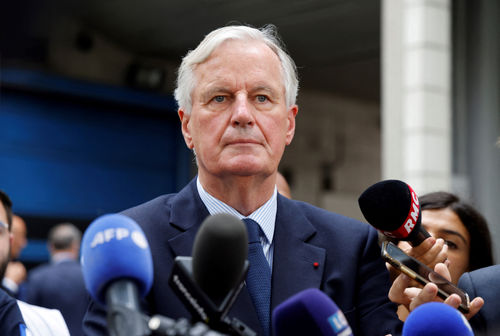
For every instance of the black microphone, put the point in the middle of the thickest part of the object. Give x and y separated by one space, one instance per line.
309 312
208 282
392 207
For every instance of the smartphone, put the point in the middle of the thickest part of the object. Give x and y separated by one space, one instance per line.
422 273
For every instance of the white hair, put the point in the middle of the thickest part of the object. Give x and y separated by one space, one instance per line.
186 80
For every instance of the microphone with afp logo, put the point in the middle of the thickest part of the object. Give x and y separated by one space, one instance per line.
118 269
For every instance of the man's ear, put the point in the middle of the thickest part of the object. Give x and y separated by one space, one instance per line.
185 118
292 113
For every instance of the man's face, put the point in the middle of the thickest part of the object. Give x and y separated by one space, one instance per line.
5 238
239 122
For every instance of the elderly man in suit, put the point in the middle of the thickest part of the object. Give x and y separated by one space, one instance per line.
236 94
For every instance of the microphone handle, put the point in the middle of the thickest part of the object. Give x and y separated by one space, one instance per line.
124 316
421 235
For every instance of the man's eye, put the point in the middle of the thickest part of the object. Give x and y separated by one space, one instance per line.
261 99
219 99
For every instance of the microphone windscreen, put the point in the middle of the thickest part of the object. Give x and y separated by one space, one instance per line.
391 206
436 319
309 312
219 254
114 247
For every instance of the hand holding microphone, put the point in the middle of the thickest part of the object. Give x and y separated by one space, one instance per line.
393 208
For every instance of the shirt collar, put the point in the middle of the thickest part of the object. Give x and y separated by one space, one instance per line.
265 216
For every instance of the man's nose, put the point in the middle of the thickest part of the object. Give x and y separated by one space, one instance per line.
242 111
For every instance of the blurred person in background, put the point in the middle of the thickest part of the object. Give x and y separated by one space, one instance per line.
15 273
33 320
59 284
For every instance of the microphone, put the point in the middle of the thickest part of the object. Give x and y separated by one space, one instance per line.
392 207
436 319
118 269
219 254
208 282
309 312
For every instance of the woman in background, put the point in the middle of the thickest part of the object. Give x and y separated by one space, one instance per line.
463 229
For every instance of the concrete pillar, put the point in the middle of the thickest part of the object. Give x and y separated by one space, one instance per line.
416 85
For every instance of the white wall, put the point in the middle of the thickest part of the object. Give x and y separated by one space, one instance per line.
342 133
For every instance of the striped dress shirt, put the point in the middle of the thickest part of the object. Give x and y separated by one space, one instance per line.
265 216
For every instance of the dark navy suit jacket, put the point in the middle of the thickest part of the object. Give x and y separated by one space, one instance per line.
485 283
11 319
350 269
60 285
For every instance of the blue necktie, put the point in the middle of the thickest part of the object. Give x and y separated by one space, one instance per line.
258 276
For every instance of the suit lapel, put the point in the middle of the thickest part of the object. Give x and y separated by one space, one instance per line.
187 214
297 265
